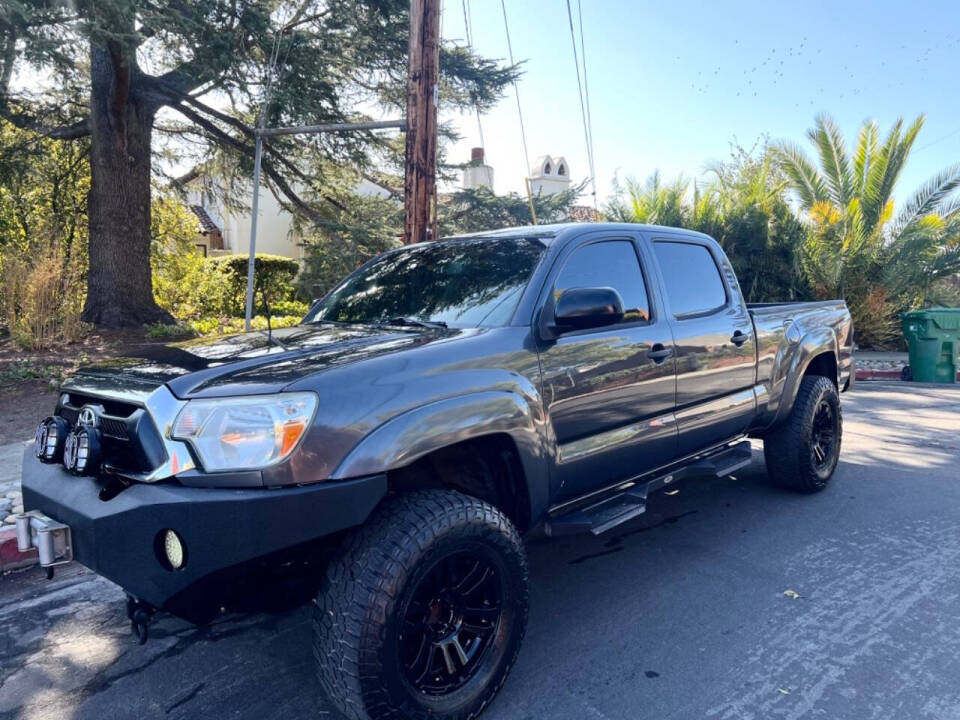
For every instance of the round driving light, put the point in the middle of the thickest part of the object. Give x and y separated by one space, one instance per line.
173 550
50 439
81 451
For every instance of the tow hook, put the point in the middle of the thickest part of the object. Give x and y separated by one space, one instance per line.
140 615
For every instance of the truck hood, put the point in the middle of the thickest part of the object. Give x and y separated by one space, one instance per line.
257 362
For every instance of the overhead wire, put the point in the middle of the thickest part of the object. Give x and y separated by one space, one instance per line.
468 28
516 92
586 92
583 109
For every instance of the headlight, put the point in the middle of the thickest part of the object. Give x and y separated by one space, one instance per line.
245 433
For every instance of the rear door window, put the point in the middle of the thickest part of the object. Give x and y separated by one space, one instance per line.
691 276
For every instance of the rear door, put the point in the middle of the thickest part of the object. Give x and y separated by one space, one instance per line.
715 347
609 400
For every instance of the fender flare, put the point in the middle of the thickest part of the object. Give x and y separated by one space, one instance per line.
415 433
814 343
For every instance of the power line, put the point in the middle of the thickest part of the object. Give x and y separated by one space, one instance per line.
467 25
516 92
938 140
583 109
586 92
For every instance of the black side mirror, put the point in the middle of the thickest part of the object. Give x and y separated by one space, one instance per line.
581 308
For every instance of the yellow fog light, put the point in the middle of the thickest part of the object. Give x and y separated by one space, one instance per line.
174 551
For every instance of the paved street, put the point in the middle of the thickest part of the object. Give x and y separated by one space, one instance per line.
683 613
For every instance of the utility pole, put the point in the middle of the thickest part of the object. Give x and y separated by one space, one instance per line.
420 176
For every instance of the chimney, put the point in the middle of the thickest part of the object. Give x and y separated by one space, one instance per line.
477 174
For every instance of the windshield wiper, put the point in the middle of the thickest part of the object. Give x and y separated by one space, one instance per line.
413 322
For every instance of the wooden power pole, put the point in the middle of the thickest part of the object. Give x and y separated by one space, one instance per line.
420 176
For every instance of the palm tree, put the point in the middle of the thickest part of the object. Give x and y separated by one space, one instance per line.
858 247
742 206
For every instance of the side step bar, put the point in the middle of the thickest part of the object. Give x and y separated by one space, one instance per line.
630 500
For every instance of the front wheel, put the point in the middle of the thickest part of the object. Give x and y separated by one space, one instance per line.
423 613
802 452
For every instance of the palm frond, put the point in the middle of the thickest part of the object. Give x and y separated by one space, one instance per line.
804 178
866 150
874 197
928 198
898 158
828 139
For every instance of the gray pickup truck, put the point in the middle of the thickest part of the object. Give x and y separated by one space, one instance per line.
391 451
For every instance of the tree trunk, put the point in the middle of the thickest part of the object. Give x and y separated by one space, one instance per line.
119 284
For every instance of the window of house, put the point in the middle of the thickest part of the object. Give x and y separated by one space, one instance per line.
691 276
612 263
562 170
546 169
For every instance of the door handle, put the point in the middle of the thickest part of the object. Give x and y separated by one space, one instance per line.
658 353
739 338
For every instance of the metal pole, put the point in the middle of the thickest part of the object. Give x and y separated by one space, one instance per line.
335 127
257 156
533 212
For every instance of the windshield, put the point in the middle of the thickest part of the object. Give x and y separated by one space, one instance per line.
462 283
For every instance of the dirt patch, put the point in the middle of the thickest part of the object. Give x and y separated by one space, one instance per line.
22 407
30 379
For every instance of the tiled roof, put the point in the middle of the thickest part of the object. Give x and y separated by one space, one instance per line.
207 225
582 213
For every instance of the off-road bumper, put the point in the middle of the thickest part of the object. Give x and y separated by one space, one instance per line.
220 528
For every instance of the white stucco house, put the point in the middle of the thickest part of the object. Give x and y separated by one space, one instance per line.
223 231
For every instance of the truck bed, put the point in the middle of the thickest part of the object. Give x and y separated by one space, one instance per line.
772 321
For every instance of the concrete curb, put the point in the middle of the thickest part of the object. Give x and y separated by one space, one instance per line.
10 556
878 375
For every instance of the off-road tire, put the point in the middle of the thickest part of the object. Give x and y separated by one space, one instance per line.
788 448
360 607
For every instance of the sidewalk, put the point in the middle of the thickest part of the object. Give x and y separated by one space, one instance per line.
11 457
880 365
11 503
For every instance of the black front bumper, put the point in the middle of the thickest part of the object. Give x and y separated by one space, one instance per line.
221 528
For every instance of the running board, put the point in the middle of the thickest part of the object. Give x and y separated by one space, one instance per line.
626 504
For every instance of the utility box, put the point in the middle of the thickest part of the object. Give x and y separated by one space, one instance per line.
933 337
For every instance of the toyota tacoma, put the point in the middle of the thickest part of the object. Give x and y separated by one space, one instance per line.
392 451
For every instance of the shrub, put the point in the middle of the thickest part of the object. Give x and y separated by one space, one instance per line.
289 307
273 279
231 325
42 298
162 330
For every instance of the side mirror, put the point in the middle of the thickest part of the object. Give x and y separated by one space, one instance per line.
582 308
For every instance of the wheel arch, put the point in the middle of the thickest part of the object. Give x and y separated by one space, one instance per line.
500 428
815 353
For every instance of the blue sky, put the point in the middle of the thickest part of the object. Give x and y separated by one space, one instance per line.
672 84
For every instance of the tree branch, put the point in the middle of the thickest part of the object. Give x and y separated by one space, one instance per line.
64 132
269 170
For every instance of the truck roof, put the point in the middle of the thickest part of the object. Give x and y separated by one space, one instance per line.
549 233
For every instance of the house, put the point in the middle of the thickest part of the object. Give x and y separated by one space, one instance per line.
226 231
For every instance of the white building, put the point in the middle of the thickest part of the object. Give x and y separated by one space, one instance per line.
227 232
549 175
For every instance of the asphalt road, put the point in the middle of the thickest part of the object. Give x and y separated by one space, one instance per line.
683 613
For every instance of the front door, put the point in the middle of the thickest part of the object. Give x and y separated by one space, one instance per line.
609 391
716 350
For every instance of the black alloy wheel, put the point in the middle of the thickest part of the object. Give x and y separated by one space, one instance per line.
450 623
823 436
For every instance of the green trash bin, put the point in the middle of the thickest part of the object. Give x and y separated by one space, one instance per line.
933 337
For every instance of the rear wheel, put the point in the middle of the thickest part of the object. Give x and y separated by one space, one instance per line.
802 452
423 614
